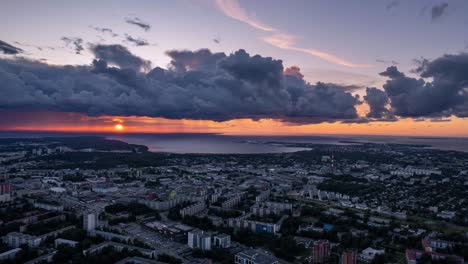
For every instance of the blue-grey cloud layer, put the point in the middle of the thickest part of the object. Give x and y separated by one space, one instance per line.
377 101
120 56
8 48
445 95
197 85
215 86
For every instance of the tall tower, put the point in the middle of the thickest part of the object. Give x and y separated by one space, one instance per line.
321 251
90 220
5 191
349 256
333 163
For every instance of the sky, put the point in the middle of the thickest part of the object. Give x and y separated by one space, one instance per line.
235 66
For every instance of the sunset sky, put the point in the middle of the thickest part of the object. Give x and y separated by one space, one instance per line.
389 67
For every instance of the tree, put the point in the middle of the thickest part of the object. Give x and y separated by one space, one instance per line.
168 259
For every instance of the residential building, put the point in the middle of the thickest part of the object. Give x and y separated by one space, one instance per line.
252 256
16 239
61 241
413 255
9 254
49 206
5 192
199 239
193 209
90 220
369 254
231 202
222 241
349 256
321 251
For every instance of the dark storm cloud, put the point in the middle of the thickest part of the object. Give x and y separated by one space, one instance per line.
377 101
105 31
138 22
294 71
6 48
197 85
136 41
200 60
75 43
438 10
120 56
253 69
445 95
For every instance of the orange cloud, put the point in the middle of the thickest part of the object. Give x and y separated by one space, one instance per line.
287 42
232 8
75 122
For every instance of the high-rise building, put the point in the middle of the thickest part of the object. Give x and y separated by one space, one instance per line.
199 239
16 239
252 256
5 192
349 256
90 220
222 241
321 251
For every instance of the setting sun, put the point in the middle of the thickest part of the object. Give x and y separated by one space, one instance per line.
118 127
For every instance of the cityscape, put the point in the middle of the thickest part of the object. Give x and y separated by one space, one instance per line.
88 198
234 132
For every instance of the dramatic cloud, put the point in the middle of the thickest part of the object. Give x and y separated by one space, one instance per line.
294 71
105 31
120 56
446 95
377 101
201 60
139 23
75 43
197 85
438 10
136 41
6 48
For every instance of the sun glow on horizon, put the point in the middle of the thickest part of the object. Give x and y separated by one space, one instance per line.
76 122
119 127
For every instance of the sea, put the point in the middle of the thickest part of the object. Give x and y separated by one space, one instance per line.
234 144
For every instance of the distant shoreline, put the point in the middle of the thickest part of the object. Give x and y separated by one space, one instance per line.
225 144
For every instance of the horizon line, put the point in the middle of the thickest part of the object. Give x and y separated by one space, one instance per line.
116 133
